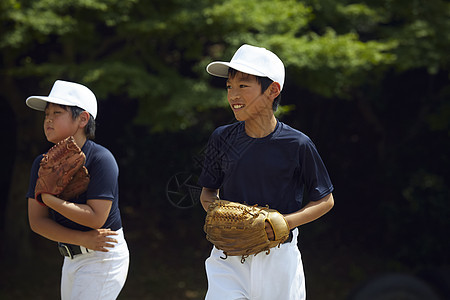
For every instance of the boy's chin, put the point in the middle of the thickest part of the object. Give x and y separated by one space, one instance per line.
53 139
240 117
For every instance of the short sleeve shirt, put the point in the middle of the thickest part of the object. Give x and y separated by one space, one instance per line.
103 185
279 170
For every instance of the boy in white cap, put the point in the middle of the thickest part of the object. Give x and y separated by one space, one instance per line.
260 160
88 228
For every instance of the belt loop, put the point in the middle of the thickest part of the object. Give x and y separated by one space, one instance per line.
84 250
65 250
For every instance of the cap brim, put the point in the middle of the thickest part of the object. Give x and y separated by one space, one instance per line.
220 69
40 102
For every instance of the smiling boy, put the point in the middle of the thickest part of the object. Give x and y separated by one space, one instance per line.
260 160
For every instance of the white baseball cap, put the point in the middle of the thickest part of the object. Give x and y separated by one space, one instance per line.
66 93
251 60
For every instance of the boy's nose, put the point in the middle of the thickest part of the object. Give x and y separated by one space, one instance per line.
233 95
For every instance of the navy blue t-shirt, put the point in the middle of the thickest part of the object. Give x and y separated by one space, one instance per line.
104 174
278 170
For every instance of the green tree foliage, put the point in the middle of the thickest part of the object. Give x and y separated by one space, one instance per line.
155 52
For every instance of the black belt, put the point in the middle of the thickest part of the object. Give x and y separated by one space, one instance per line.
290 237
70 250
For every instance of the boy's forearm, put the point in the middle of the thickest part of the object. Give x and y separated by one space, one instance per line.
312 211
51 230
82 214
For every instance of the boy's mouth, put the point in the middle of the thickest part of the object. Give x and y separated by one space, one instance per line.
238 106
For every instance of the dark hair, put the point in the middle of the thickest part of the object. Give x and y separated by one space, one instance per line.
265 82
90 126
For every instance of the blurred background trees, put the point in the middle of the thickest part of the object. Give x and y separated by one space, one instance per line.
368 81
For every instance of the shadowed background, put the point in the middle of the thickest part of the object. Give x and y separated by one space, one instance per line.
368 81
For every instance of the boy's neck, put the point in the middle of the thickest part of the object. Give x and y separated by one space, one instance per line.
259 128
80 140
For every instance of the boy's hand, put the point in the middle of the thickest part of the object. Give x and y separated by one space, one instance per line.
99 239
269 232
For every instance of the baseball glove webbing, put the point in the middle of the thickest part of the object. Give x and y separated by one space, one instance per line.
57 169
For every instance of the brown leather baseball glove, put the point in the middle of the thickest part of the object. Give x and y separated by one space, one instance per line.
77 185
58 167
239 230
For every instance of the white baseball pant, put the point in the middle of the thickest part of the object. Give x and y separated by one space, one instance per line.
278 275
96 275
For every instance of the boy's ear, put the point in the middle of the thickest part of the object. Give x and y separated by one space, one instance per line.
274 89
84 118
